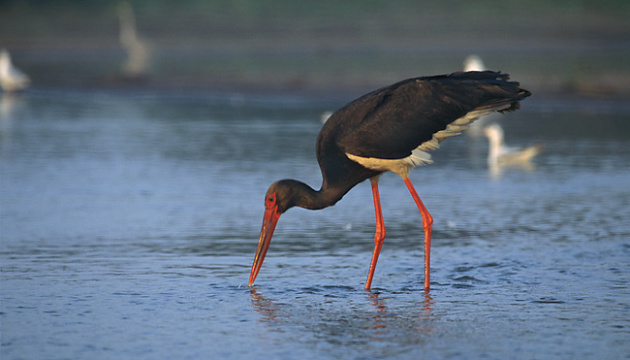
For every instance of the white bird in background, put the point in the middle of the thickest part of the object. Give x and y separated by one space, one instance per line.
11 79
474 63
502 155
324 116
137 50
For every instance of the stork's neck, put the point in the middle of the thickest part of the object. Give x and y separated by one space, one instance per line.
325 197
300 194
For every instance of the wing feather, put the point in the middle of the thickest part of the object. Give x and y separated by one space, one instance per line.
419 113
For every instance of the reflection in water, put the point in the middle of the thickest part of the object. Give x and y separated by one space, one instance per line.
427 313
264 306
403 322
11 106
10 103
6 105
382 319
381 310
102 195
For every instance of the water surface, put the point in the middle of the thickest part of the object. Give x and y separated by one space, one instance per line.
129 224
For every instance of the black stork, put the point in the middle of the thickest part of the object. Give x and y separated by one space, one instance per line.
389 129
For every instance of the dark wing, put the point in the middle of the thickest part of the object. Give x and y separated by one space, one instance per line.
390 122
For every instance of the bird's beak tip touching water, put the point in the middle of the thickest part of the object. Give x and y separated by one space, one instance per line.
269 224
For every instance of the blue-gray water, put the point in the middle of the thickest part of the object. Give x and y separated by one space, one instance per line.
129 224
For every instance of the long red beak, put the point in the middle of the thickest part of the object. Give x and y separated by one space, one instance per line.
269 224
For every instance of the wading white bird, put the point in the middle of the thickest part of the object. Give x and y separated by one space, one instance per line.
474 63
11 79
502 155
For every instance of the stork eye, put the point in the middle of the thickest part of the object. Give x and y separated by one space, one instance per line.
271 200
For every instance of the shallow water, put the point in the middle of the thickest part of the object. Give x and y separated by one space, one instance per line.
129 224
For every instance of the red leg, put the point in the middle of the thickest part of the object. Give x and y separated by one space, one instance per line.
427 225
380 230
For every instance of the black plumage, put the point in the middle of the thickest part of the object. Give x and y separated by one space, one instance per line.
389 124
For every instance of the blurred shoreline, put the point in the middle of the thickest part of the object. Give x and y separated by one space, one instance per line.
565 50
